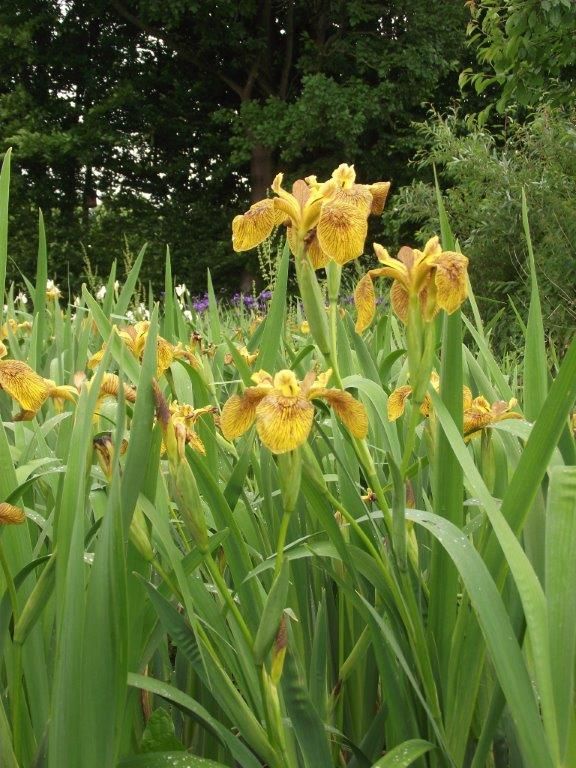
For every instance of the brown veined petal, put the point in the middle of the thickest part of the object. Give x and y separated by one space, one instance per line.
356 195
350 412
365 301
379 192
399 299
164 356
11 515
475 419
397 402
23 384
341 231
3 350
284 423
317 257
111 385
96 358
195 442
254 226
239 413
450 280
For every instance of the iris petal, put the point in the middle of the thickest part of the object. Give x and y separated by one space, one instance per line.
284 423
341 231
254 226
23 384
365 301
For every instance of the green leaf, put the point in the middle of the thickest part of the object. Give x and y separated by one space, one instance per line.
4 197
159 734
308 728
213 313
272 613
404 754
237 749
39 295
535 363
272 333
499 635
560 580
168 760
127 292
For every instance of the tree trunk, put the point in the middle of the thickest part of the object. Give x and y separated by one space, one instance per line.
261 176
261 172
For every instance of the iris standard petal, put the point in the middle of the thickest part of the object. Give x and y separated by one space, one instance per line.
379 192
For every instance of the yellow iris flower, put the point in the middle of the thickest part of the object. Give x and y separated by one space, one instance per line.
478 412
12 326
282 409
184 417
437 277
328 220
134 337
28 388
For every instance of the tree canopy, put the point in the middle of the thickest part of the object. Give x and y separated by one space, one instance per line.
136 120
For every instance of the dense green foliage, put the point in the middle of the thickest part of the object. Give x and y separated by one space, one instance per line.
484 174
176 112
526 52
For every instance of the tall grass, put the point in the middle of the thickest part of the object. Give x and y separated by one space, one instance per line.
235 608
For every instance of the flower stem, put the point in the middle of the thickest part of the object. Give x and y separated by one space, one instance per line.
16 660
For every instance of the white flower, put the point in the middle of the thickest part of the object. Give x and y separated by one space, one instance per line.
52 290
22 298
130 315
101 293
76 301
116 286
187 315
181 290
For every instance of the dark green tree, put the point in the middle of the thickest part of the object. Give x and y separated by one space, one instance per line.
177 113
525 50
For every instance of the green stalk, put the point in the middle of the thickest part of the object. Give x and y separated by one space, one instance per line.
334 272
17 660
222 588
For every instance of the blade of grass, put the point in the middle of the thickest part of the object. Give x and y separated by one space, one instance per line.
560 580
274 323
497 630
535 363
127 293
39 296
404 754
4 198
213 313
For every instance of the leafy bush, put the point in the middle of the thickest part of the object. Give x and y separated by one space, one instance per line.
483 174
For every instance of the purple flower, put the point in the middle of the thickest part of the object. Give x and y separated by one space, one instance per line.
200 303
